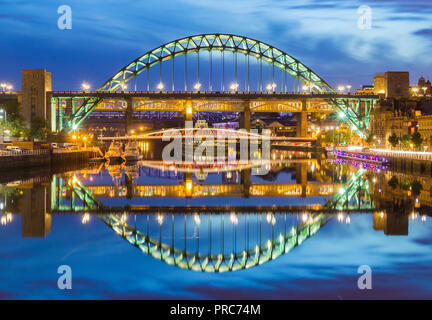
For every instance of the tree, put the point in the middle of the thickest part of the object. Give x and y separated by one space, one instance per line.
39 128
393 182
405 184
369 138
406 140
417 139
416 187
393 140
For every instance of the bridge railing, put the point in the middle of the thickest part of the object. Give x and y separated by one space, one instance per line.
270 93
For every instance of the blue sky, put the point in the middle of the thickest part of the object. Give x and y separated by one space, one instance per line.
106 35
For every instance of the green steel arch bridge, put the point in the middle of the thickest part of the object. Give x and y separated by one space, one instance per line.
245 238
242 75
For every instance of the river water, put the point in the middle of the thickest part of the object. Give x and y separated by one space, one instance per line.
305 229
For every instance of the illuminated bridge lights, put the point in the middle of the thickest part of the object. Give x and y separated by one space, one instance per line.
241 257
290 69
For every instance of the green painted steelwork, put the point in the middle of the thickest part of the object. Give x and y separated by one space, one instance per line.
236 44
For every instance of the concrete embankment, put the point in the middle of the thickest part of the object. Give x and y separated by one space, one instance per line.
411 166
44 158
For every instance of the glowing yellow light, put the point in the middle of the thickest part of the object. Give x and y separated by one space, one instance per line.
234 86
197 86
85 86
189 185
189 110
197 219
233 218
85 218
160 219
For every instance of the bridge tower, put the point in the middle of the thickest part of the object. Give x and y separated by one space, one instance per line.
36 97
35 211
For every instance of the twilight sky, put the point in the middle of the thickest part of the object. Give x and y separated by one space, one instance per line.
106 35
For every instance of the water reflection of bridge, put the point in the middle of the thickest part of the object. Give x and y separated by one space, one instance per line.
209 239
229 187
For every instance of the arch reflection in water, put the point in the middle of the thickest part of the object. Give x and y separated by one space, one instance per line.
216 242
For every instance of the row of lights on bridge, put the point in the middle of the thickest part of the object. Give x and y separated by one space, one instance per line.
271 87
6 87
341 88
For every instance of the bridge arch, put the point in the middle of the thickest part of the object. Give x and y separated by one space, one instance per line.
218 42
347 107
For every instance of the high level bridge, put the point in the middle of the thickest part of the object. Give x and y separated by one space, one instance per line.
213 73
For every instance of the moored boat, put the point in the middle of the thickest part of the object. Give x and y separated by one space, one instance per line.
132 152
115 153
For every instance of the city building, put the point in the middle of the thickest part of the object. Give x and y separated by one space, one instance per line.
35 102
423 88
365 89
385 121
392 84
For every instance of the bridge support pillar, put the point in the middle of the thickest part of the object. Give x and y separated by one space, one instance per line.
128 116
301 123
129 186
301 176
245 117
246 181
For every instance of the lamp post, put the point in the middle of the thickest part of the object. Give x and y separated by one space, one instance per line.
85 86
4 122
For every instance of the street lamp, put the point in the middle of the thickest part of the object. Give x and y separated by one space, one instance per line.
9 87
4 123
160 86
197 86
349 88
271 87
341 89
424 90
85 86
123 86
234 86
3 86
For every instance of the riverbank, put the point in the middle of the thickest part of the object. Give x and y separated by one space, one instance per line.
44 158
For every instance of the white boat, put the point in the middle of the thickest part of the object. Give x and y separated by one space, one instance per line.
132 152
115 152
201 124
